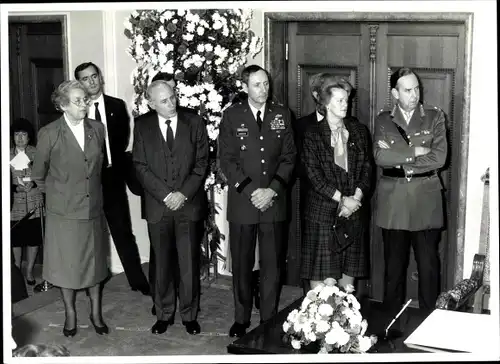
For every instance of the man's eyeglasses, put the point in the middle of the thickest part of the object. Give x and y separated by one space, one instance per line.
81 102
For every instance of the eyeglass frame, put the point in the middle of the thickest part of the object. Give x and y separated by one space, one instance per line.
86 101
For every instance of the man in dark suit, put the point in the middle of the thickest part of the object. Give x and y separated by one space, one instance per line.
140 192
316 83
170 154
410 146
112 112
257 155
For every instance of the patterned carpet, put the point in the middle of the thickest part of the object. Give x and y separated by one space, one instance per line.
39 320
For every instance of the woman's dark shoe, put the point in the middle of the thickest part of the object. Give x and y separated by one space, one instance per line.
30 282
99 329
69 332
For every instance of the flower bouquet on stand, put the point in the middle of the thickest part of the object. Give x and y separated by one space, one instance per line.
329 320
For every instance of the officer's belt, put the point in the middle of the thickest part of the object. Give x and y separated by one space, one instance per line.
400 173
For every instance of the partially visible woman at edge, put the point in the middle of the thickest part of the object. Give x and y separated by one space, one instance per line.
337 158
26 197
67 167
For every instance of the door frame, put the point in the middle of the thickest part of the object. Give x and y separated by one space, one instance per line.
275 49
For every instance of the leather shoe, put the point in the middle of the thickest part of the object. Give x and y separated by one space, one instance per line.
238 330
153 310
143 289
161 326
99 329
192 327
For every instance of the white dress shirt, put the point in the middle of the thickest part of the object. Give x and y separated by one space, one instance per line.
78 131
319 117
102 111
162 122
255 110
407 115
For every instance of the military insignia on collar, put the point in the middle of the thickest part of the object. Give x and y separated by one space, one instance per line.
278 123
426 132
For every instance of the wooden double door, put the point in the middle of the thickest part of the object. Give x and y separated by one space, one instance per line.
367 53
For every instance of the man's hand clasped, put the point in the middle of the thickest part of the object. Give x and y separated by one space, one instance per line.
262 198
175 201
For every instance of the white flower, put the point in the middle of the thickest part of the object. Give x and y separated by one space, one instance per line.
181 12
200 30
296 344
311 336
331 337
286 326
217 25
209 47
174 21
190 27
200 48
326 293
167 15
203 97
343 338
189 37
134 14
313 309
364 326
292 316
349 288
225 32
364 343
322 326
319 288
325 310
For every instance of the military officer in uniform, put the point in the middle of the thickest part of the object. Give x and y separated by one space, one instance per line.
410 146
257 155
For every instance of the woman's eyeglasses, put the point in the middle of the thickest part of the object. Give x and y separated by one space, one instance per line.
81 102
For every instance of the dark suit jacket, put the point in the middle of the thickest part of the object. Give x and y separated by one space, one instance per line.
191 149
301 125
252 159
118 125
70 177
132 182
326 177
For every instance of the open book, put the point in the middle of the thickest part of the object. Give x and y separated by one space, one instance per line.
452 331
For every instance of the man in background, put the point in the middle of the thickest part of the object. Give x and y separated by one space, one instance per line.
112 112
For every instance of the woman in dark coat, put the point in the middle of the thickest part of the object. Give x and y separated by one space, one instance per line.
27 198
336 156
67 167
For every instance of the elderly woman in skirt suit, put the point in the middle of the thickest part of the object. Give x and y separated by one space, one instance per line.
67 167
336 155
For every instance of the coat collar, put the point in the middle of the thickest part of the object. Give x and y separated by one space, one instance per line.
415 121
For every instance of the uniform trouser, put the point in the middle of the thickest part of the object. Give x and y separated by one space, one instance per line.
242 239
176 243
117 211
397 255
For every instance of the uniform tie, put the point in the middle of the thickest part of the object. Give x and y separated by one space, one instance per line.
259 120
170 135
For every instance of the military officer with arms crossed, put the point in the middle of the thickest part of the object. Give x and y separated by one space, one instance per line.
410 146
257 155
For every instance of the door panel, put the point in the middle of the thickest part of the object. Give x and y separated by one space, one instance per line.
367 53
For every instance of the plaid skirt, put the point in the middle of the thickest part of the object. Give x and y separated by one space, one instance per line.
319 261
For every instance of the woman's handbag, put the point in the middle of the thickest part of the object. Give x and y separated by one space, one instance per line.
343 233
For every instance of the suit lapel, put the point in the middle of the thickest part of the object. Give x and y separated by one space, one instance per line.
154 139
89 134
326 136
181 134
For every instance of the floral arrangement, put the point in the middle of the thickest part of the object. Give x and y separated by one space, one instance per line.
205 51
330 317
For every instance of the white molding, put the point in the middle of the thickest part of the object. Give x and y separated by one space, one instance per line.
109 37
